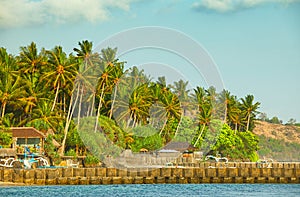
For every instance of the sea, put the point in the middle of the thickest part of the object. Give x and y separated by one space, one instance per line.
156 190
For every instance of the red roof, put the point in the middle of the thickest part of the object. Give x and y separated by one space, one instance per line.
26 132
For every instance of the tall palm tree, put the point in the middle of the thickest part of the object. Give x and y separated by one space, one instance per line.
225 99
31 62
250 108
60 72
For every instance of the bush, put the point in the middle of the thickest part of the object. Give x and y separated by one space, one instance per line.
90 159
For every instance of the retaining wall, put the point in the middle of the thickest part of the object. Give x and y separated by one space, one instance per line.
203 173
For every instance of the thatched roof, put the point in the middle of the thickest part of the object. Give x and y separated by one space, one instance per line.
7 152
178 146
26 132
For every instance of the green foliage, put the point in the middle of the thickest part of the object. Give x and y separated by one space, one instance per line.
51 152
5 139
146 137
71 152
90 159
278 150
240 146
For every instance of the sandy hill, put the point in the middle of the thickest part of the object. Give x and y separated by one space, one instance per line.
277 131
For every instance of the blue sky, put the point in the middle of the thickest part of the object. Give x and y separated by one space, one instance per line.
254 43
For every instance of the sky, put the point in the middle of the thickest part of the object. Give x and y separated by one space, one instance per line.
253 46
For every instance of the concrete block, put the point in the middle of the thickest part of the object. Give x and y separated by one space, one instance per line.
106 180
266 172
160 180
143 172
95 180
116 180
211 172
177 172
289 172
39 181
221 172
67 172
101 172
183 180
52 173
255 172
73 180
7 175
149 180
205 180
244 172
17 176
232 172
171 180
195 180
83 181
260 180
111 172
127 180
122 172
238 179
248 180
227 180
62 180
51 181
188 172
138 180
132 172
154 172
78 172
40 173
90 172
166 172
199 172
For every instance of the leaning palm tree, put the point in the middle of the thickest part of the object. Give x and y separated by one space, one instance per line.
204 119
249 107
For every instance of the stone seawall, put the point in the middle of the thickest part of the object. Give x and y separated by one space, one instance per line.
203 173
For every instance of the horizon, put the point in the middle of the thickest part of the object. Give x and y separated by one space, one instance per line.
255 45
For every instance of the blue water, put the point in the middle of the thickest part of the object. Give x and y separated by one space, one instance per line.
223 190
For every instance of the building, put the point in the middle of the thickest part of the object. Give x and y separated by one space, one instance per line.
27 136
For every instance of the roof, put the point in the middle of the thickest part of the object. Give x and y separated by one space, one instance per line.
7 152
26 132
178 146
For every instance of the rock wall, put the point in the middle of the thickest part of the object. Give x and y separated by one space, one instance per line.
202 173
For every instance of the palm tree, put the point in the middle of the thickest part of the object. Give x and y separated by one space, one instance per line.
250 108
60 72
10 91
31 62
225 99
204 119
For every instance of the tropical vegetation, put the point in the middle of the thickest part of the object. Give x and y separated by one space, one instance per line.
121 108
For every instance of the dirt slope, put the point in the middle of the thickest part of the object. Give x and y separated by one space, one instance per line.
277 131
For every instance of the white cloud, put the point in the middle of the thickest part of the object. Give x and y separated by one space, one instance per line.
233 5
15 13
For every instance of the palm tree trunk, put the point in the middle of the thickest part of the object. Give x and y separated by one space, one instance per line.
99 107
113 102
92 105
68 121
56 95
200 135
3 109
164 125
235 129
248 121
225 114
178 126
79 107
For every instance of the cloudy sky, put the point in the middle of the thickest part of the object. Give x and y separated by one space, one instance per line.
255 44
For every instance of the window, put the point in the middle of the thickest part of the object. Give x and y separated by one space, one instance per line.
21 141
33 141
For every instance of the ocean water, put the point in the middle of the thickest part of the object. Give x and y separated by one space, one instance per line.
156 190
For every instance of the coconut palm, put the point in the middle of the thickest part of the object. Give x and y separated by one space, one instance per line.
60 72
250 108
